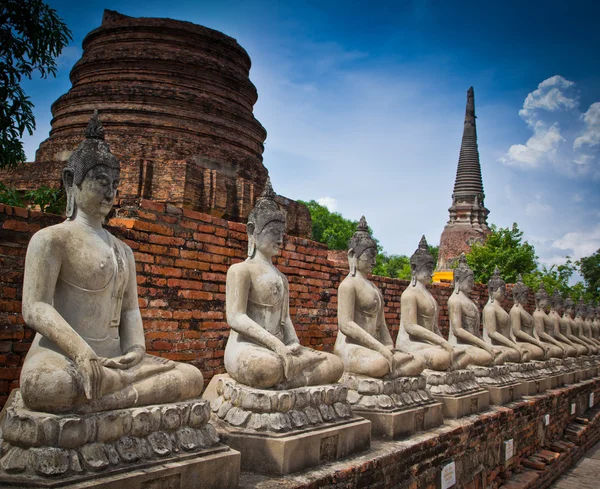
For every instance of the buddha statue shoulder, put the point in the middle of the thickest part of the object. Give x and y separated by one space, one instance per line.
544 327
522 324
263 350
363 341
590 313
497 330
561 327
582 328
419 332
80 297
463 313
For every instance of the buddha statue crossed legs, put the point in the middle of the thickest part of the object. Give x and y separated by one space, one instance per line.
80 297
263 350
363 341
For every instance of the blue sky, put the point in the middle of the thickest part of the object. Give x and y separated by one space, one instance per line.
364 105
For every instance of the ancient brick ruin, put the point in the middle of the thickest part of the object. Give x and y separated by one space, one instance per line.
176 101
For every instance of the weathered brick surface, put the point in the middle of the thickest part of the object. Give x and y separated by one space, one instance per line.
182 257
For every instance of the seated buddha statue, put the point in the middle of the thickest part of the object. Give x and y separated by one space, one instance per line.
596 322
363 341
544 327
497 331
419 332
581 328
572 328
522 324
263 350
590 314
561 328
80 297
463 314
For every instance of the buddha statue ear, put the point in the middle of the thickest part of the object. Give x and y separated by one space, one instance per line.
69 185
251 241
413 273
352 261
456 285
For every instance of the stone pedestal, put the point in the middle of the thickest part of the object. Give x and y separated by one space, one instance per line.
396 408
458 392
133 448
500 383
284 431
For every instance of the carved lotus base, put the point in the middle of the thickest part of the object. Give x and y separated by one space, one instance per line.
524 372
39 447
451 383
283 431
396 408
496 376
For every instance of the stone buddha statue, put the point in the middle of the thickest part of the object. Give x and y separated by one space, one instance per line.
463 313
596 321
263 350
544 326
497 331
561 327
80 297
589 322
573 328
581 328
522 324
419 331
363 341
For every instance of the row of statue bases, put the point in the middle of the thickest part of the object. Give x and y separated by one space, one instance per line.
93 404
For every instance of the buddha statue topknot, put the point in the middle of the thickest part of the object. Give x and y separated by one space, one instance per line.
263 350
80 297
363 341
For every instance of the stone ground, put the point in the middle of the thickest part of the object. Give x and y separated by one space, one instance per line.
584 474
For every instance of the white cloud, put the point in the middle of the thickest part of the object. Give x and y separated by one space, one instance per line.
537 209
560 131
328 202
591 136
579 244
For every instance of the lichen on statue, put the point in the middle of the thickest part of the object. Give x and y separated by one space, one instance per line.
419 332
463 313
497 330
363 341
80 297
263 350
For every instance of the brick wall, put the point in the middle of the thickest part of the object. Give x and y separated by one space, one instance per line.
182 257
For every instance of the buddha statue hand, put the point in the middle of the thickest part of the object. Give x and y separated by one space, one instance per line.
132 357
90 367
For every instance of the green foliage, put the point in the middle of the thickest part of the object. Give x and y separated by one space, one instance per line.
395 266
589 267
329 227
52 200
32 36
505 249
553 278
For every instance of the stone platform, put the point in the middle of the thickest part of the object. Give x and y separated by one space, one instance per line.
284 431
458 392
500 383
396 408
173 442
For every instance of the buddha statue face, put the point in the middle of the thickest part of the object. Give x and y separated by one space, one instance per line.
496 286
96 194
557 303
520 292
269 240
463 276
362 251
569 307
366 261
541 298
422 264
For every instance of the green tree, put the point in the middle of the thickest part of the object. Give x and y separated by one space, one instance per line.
556 277
589 267
503 248
395 266
32 36
329 227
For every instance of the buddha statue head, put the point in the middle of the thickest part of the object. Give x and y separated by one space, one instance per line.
569 306
496 286
91 176
266 223
421 264
362 249
463 276
520 291
556 302
590 311
580 309
542 298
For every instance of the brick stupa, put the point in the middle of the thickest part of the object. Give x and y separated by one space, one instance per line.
176 103
468 214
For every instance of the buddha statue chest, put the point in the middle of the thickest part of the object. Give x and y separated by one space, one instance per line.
266 299
427 310
470 317
503 322
367 305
